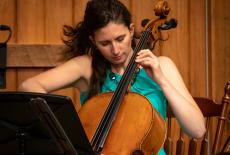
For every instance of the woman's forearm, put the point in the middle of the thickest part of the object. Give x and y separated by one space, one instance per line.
31 86
187 113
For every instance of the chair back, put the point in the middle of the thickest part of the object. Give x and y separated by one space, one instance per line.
210 109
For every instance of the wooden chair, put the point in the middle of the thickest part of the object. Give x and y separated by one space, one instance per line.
209 109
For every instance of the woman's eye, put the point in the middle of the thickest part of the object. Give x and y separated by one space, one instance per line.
104 43
121 38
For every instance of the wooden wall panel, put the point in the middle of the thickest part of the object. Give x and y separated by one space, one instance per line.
58 13
34 55
30 21
197 48
219 51
220 39
79 10
141 11
8 17
11 80
40 21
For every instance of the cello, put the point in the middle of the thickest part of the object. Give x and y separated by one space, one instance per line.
124 122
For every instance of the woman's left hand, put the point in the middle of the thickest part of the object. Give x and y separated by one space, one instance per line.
150 63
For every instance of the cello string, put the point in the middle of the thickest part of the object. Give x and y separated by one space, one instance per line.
120 92
130 69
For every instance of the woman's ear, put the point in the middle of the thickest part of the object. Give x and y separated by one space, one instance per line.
131 29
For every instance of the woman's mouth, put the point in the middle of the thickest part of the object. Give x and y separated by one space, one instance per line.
117 58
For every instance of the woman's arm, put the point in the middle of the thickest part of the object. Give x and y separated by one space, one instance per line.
64 75
182 103
165 73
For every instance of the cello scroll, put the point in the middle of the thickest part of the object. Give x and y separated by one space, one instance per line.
162 10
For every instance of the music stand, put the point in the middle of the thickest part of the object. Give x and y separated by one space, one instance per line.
36 123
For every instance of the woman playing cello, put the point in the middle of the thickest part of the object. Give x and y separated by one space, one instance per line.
100 47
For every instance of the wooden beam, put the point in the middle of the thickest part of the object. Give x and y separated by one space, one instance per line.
33 55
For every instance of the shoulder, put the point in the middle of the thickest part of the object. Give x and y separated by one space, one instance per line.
73 70
172 73
83 58
83 65
79 64
164 59
168 66
166 62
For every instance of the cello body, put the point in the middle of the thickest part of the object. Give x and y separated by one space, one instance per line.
137 129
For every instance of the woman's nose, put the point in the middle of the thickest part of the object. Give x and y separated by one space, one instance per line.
115 49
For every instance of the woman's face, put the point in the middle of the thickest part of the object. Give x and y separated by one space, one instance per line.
114 43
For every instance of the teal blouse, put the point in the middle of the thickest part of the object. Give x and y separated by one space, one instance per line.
143 85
